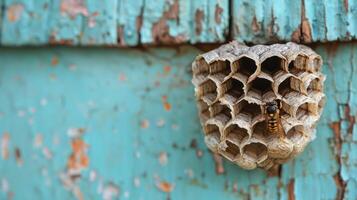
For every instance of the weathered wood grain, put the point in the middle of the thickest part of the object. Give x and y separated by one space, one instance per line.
141 130
300 21
132 23
113 22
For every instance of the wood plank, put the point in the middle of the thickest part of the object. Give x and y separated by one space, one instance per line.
300 21
113 22
25 22
139 120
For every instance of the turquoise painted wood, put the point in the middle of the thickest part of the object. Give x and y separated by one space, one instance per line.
113 22
95 123
141 22
300 21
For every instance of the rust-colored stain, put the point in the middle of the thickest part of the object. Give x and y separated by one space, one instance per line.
303 33
54 41
122 77
350 118
291 190
139 22
341 186
167 105
336 128
120 33
5 140
79 159
306 31
14 12
165 186
255 25
218 14
199 15
54 61
167 69
345 3
218 163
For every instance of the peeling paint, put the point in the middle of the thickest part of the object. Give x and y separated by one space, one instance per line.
122 153
165 186
110 191
163 159
14 12
218 14
73 8
199 15
291 188
5 145
160 29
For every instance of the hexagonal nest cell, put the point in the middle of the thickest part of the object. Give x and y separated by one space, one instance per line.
233 85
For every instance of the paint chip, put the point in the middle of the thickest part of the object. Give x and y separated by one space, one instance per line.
14 12
54 61
122 77
73 8
165 186
199 153
75 132
37 143
189 173
167 69
5 140
163 158
5 187
144 124
47 153
136 182
110 191
92 176
167 105
160 122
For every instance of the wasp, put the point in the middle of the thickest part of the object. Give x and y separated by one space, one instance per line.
272 118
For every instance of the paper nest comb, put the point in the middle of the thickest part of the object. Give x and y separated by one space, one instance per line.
232 85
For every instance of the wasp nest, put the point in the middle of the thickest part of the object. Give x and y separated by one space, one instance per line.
235 83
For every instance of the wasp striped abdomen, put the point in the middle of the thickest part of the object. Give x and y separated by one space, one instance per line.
272 111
